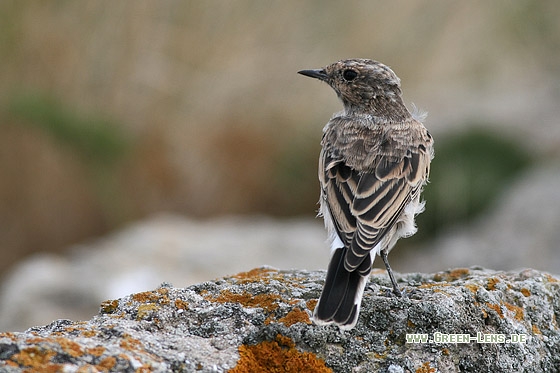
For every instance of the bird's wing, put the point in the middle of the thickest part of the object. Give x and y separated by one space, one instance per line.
366 204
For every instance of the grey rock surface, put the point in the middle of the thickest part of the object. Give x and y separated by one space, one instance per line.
259 321
163 248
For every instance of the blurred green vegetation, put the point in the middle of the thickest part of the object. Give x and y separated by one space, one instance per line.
99 144
469 172
95 139
527 21
295 179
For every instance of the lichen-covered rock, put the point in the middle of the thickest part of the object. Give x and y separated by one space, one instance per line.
258 321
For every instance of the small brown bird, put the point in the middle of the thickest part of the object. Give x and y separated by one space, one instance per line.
374 161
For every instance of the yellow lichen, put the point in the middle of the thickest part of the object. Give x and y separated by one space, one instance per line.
144 310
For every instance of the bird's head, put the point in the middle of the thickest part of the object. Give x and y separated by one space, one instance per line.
362 85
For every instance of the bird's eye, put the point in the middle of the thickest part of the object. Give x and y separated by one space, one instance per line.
349 75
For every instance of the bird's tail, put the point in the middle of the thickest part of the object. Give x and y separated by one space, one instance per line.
342 293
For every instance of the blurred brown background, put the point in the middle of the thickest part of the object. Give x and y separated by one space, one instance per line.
113 111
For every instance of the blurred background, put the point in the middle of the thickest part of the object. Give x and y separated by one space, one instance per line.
143 141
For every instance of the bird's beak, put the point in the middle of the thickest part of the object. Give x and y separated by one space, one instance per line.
320 74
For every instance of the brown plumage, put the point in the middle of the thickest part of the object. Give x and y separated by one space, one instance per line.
374 161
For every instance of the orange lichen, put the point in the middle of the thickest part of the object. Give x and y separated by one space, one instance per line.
491 285
294 316
497 308
380 356
88 368
9 335
442 292
277 356
109 306
431 285
518 311
426 368
268 302
181 304
265 276
311 304
472 287
36 358
96 351
536 329
89 333
164 299
525 292
145 297
452 275
108 363
254 275
458 273
71 348
131 344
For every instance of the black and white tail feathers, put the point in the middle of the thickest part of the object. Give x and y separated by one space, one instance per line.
342 293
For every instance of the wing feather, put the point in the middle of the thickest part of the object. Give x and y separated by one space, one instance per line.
366 204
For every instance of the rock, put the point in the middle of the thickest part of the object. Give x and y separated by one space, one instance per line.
168 248
259 321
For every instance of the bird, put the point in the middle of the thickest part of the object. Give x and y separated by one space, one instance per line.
374 162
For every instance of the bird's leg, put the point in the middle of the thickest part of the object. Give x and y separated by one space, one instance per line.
396 289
